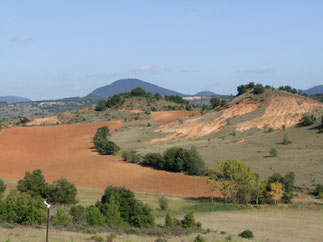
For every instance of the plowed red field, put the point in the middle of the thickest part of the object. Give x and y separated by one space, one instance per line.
67 151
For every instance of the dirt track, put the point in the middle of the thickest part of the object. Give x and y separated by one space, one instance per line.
66 151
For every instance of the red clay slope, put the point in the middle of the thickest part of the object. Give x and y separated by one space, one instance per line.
66 151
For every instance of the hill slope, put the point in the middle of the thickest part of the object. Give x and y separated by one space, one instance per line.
125 85
14 99
314 90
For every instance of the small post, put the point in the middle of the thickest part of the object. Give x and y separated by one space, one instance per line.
48 207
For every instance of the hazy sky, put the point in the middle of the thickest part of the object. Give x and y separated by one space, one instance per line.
54 49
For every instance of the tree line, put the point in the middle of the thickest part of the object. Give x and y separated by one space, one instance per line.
175 159
117 100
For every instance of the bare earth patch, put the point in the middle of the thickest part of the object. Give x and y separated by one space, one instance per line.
281 110
67 151
197 127
44 120
167 116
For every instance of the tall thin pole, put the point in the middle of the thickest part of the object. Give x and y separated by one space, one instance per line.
48 207
47 224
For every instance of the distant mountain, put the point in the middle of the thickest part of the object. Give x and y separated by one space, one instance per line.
125 85
205 94
14 99
314 90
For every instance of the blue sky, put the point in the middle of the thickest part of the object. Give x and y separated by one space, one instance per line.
56 49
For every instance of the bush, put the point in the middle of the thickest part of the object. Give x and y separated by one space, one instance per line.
102 144
154 160
101 106
131 156
62 192
308 120
199 238
273 152
163 203
23 209
247 234
176 99
189 221
97 238
95 217
319 190
169 222
78 214
114 101
2 188
180 159
285 140
131 210
33 183
241 89
215 102
258 89
61 218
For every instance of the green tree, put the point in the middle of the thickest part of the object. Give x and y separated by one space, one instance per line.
215 102
78 214
132 211
154 160
33 183
199 238
169 222
273 152
308 120
239 177
24 209
63 192
112 211
61 218
258 89
189 221
95 217
2 188
100 106
241 89
138 91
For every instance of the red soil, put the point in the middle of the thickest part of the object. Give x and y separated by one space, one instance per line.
66 151
167 116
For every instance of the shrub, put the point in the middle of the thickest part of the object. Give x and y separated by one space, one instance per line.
273 152
2 188
95 217
102 144
23 208
319 190
33 183
258 89
199 238
61 218
62 192
215 102
241 89
97 238
131 156
247 234
180 159
101 106
169 222
154 159
163 203
285 140
308 120
112 211
131 210
78 214
114 101
138 91
189 221
176 99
